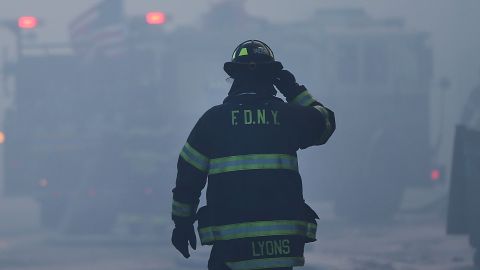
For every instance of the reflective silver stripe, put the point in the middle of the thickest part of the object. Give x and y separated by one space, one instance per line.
181 209
194 157
322 110
267 263
257 229
311 231
328 125
253 162
304 99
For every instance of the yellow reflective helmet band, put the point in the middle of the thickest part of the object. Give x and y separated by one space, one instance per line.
243 52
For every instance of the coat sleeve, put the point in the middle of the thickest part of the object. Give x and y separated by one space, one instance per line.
192 171
314 123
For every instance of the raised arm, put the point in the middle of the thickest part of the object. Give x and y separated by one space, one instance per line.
314 123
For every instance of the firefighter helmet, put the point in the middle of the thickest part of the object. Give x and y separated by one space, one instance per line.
252 57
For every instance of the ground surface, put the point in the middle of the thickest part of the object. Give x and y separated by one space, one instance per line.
410 242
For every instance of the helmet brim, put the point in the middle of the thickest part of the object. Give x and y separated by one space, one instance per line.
235 69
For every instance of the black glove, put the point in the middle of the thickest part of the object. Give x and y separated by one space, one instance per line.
286 84
181 236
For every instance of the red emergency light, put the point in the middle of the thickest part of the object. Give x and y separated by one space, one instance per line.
92 192
155 17
148 191
27 22
435 175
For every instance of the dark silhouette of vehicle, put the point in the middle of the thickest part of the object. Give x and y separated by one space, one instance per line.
464 202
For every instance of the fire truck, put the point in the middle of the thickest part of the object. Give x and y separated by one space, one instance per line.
88 130
95 131
376 75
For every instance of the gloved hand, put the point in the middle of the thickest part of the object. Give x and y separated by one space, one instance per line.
181 236
286 83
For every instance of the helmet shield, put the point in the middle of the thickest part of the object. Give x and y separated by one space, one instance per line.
252 51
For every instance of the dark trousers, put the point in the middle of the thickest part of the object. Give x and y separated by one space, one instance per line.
217 261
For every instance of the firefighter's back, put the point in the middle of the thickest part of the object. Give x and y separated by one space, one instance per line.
248 133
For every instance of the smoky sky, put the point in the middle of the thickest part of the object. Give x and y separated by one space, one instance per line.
452 25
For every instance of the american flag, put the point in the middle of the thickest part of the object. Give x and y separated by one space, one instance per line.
100 30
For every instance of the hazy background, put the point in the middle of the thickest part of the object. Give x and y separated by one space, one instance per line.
453 26
413 239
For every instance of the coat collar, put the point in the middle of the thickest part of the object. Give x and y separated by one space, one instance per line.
250 97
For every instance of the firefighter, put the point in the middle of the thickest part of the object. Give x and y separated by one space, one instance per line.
255 216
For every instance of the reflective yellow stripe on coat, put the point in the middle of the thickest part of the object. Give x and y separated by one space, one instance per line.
194 157
267 263
253 162
210 234
181 209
